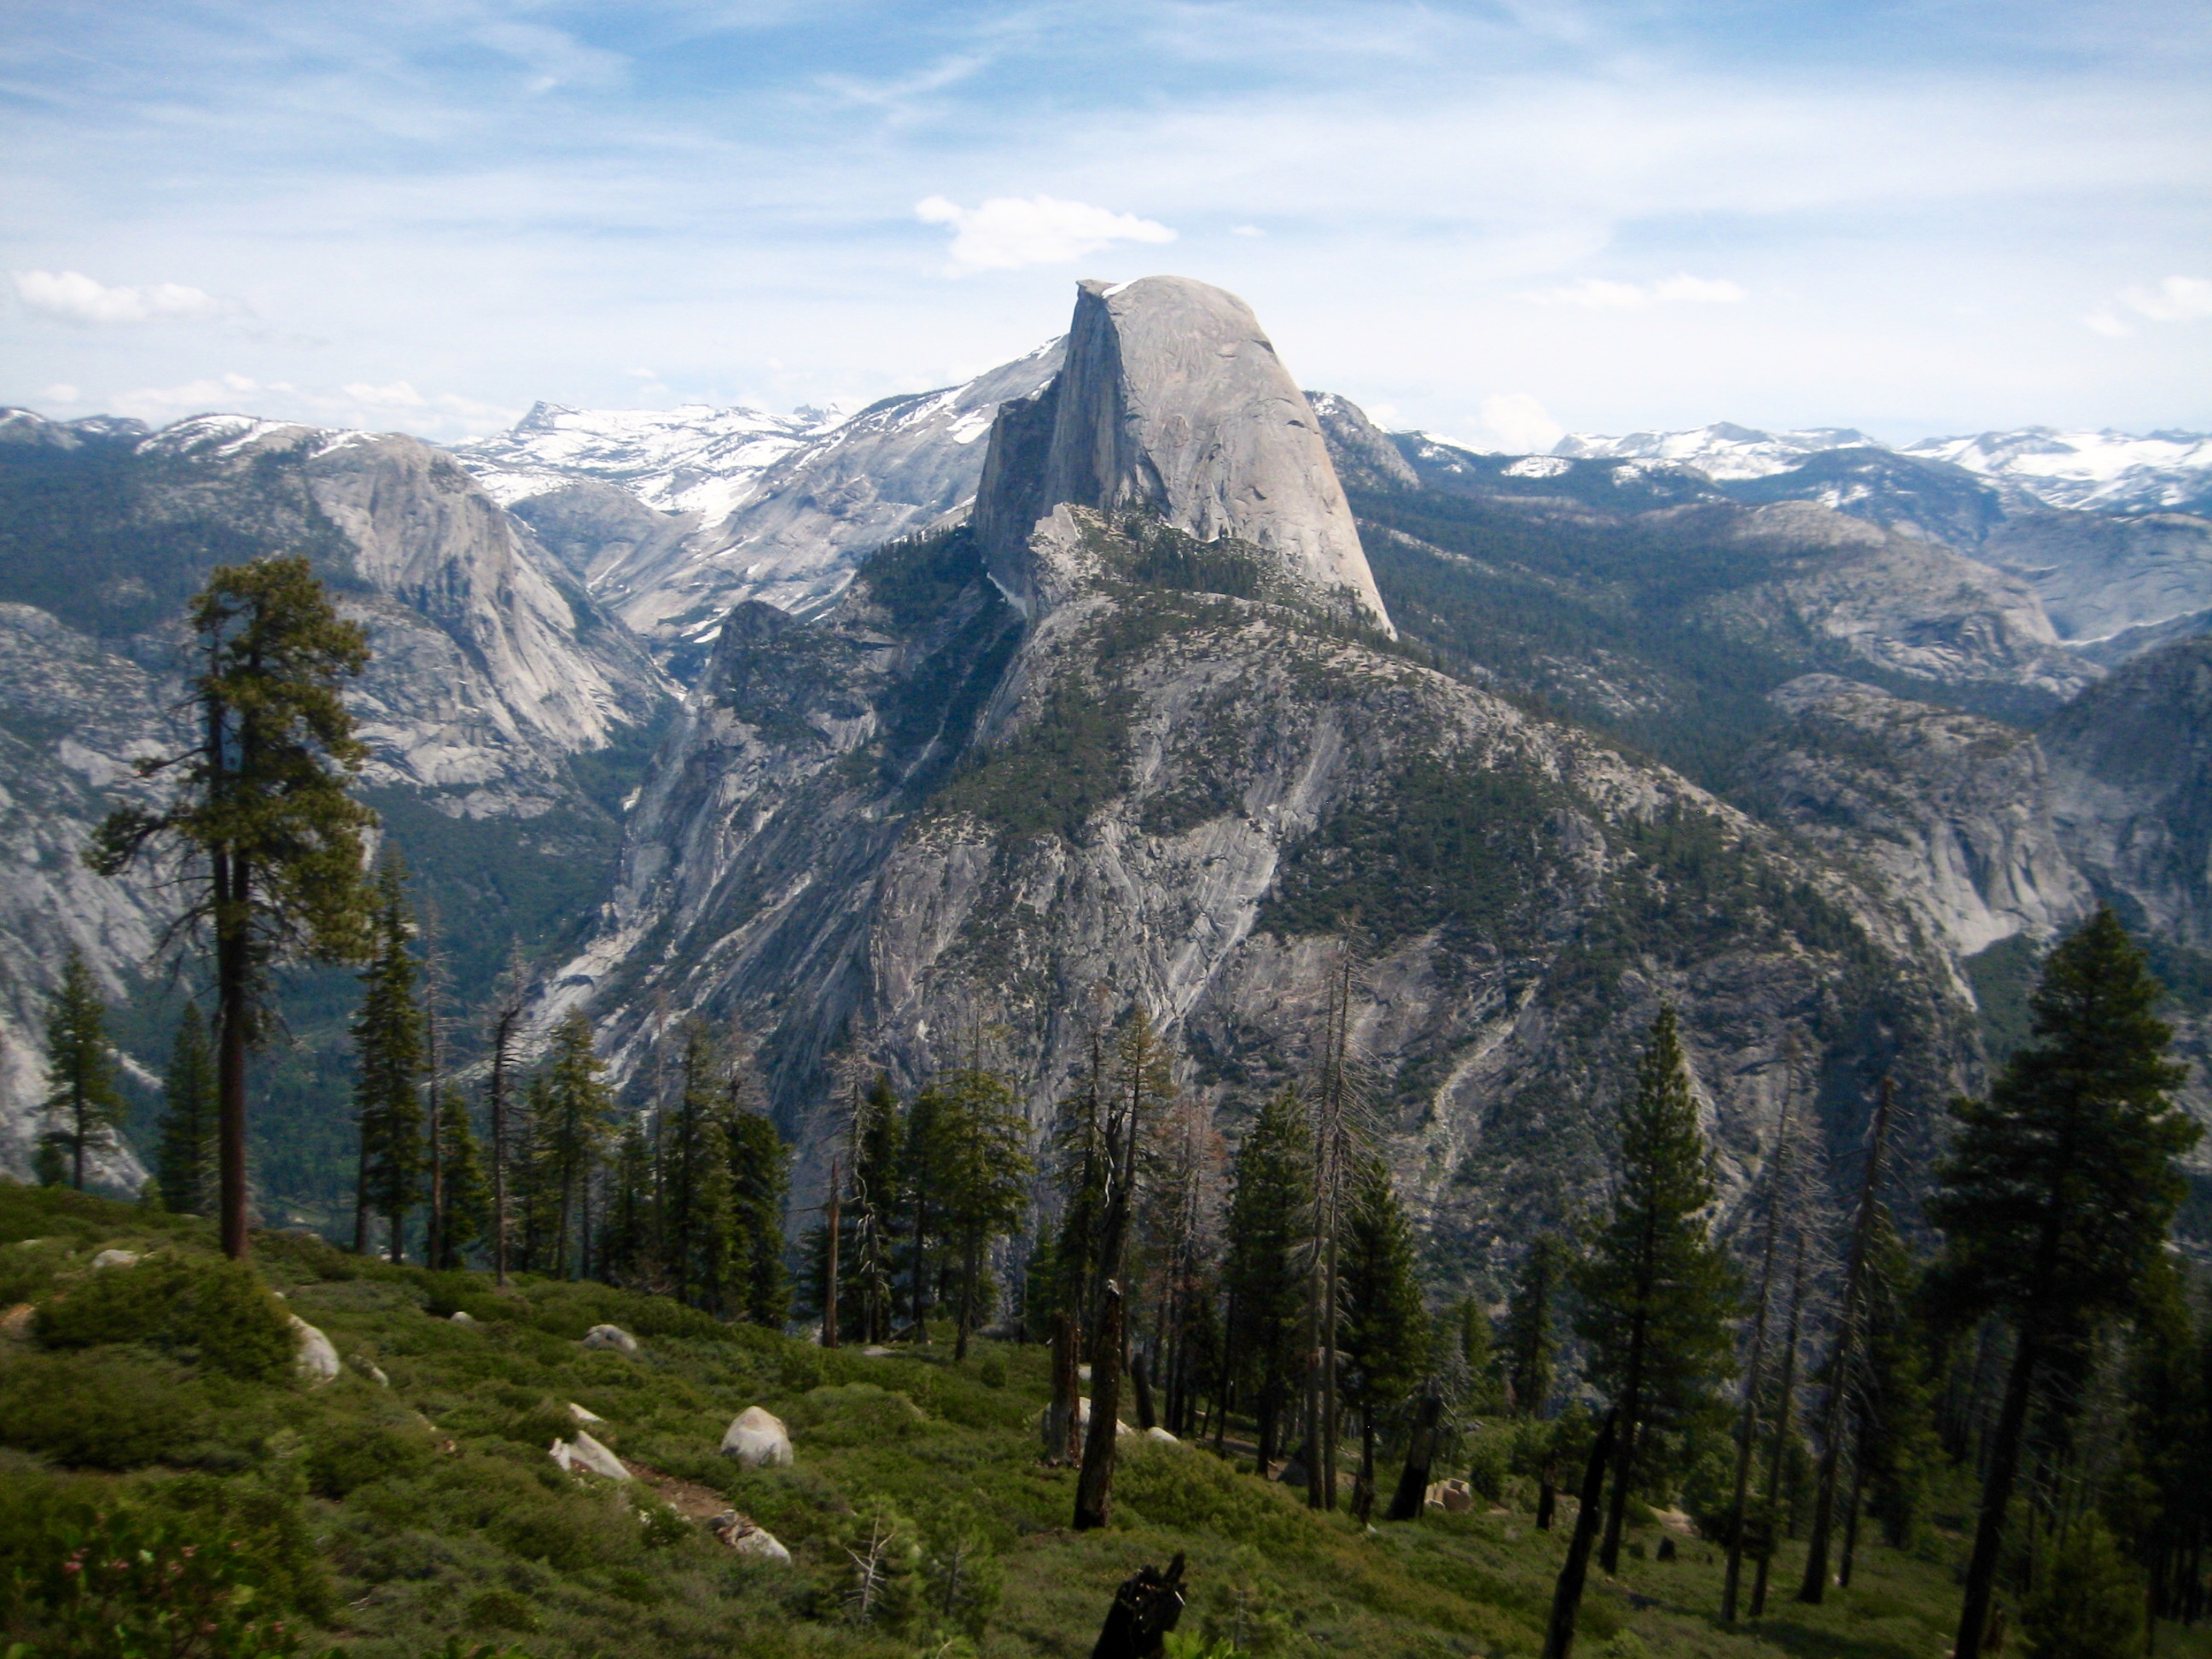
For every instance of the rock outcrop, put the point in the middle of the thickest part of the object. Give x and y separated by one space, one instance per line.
758 1439
2131 778
1952 811
1173 406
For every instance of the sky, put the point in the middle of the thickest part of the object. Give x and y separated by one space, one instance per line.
1498 221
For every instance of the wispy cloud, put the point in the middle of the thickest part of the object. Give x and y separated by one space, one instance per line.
1008 231
70 296
555 58
1595 294
2176 300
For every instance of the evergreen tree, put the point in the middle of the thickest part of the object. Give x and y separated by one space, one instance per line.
82 1107
1897 1449
1530 1344
1386 1350
986 1176
760 1179
1271 1197
468 1217
186 1160
1655 1293
273 840
2089 1604
2057 1191
570 1130
626 1237
869 1212
695 1173
388 1037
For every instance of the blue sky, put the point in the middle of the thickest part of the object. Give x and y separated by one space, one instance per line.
1494 220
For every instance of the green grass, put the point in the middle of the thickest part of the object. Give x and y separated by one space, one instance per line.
398 1519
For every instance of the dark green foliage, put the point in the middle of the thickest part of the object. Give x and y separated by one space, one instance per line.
468 1184
694 1195
2004 978
83 1106
1455 843
215 1313
89 1577
758 1288
102 1409
347 1456
2059 1189
1384 1334
568 1130
630 1236
2089 1602
389 1035
186 1160
1896 1443
1654 1293
1268 1210
1529 1344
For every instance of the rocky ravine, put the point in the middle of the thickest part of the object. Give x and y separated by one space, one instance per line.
1180 778
492 669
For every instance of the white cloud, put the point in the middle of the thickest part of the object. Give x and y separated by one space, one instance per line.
2176 300
1008 231
159 403
1595 294
2103 322
399 395
558 59
1246 230
70 296
60 393
1515 423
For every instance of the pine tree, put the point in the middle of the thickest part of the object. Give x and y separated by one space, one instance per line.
262 810
695 1173
1530 1344
1385 1335
387 1035
2089 1604
2058 1190
569 1129
760 1179
82 1107
1897 1449
1655 1293
1273 1178
187 1153
870 1213
986 1178
468 1219
626 1237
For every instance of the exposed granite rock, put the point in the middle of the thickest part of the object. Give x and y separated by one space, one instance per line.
2131 780
1173 405
2102 577
1951 811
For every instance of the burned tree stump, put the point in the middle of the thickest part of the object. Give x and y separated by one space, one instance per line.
1145 1608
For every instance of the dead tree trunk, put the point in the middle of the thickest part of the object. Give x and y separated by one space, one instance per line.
1574 1572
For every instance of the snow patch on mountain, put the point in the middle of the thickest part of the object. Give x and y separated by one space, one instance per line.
2103 471
1721 450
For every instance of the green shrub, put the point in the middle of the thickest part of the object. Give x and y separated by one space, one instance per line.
2089 1603
206 1309
118 1582
350 1455
501 1609
118 1409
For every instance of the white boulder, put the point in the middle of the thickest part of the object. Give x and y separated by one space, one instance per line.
115 1259
757 1439
463 1317
741 1534
1161 1436
586 1454
369 1369
611 1336
587 1417
316 1360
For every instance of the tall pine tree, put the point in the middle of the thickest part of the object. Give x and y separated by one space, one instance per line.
388 1037
186 1158
1528 1346
1385 1331
82 1107
1655 1293
468 1216
1267 1210
758 1288
569 1131
2058 1190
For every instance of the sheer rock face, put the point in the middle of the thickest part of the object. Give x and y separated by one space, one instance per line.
1173 405
2131 774
1952 811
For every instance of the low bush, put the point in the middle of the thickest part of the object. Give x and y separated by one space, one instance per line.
205 1309
116 1408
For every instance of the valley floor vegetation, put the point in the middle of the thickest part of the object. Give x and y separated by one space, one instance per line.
1882 1414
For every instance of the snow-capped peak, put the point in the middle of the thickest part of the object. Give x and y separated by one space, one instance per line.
694 458
1721 450
2108 471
